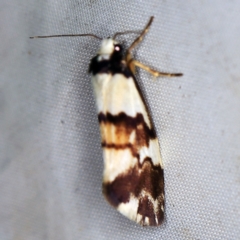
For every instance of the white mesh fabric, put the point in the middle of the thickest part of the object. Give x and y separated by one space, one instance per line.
50 155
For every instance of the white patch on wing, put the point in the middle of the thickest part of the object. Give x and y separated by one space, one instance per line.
146 221
116 93
116 162
130 208
132 137
100 82
152 151
139 218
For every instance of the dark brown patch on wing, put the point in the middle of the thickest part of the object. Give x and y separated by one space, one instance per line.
119 146
146 209
143 177
130 122
117 129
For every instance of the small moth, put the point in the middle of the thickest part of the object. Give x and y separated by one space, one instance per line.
133 179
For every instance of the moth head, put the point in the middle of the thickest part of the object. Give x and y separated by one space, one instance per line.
110 46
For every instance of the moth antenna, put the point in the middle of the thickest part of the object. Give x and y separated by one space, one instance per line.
140 37
69 35
126 32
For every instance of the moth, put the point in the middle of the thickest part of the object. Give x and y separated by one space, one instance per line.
133 178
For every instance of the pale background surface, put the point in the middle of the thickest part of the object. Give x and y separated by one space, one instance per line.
50 156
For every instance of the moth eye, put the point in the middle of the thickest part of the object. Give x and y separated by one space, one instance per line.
117 48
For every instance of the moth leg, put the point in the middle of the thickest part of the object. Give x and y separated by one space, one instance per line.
152 71
135 43
134 63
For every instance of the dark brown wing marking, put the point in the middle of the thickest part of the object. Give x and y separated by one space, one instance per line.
143 177
125 125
